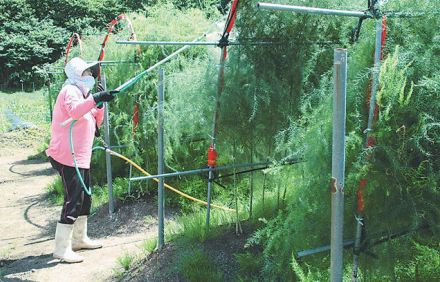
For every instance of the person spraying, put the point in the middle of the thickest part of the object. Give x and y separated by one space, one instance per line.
76 102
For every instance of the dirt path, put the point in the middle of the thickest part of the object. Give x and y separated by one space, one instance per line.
28 220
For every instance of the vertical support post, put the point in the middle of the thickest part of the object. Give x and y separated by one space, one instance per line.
368 131
338 164
220 85
251 182
376 71
108 160
160 156
208 207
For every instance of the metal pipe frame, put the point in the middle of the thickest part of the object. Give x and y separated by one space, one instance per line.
301 254
374 240
53 72
117 147
108 160
311 10
199 171
192 43
104 63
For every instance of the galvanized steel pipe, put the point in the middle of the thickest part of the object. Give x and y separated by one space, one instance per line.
338 164
311 10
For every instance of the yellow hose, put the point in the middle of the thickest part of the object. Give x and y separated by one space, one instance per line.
166 185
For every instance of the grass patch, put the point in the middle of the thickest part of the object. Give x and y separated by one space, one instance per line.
41 150
149 219
194 225
250 266
56 191
266 209
99 197
56 194
99 193
150 245
197 266
125 262
31 107
5 125
24 139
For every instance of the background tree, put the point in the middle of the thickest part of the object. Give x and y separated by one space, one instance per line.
36 32
26 41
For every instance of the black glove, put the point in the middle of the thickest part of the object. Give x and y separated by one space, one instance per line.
104 96
99 87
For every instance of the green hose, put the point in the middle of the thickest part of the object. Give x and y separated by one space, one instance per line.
88 191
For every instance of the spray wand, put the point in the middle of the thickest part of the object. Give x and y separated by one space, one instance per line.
123 87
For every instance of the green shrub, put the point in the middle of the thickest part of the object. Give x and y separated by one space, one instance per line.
424 266
401 172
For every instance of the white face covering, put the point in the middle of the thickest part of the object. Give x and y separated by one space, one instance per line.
85 83
74 70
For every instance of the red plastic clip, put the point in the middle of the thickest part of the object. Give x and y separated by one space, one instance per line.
212 156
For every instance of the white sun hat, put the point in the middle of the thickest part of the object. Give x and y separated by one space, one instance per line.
76 66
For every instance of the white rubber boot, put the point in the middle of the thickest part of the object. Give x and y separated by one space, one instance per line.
80 239
63 244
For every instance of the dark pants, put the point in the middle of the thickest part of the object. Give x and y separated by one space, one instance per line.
76 201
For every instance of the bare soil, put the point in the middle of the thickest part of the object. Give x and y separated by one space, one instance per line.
28 220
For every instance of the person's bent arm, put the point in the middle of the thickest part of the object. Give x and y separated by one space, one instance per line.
76 106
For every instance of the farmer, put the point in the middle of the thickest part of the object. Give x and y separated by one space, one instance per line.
75 101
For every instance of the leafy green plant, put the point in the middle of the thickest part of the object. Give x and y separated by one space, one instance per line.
397 160
424 266
394 83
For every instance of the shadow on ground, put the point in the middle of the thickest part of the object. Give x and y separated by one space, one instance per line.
15 168
18 269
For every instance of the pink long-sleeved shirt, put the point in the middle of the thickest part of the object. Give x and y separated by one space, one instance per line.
71 103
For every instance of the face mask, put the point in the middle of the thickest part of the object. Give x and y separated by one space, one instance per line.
85 83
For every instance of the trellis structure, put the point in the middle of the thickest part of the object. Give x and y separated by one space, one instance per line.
337 244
